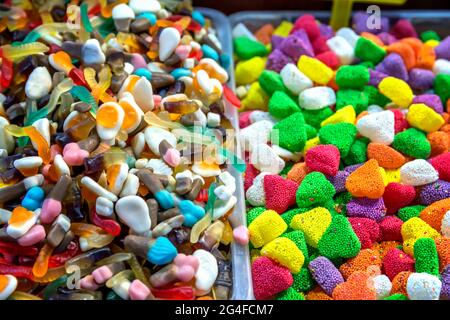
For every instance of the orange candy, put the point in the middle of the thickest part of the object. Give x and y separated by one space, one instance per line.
317 294
386 156
361 262
42 144
366 181
426 57
414 43
264 34
355 288
298 172
443 250
434 213
399 283
383 247
439 141
40 267
373 38
4 281
405 51
19 216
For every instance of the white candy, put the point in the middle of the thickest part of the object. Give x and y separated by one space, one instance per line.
69 118
343 50
133 211
123 11
10 287
43 126
16 230
213 119
120 179
27 162
128 67
104 207
255 193
63 221
228 180
201 118
143 94
441 66
418 173
4 215
220 73
240 30
93 186
154 136
140 6
61 166
373 108
379 127
294 79
203 171
33 181
127 101
258 115
109 134
349 35
254 134
159 167
6 140
317 98
223 192
382 285
138 144
206 273
445 227
168 41
131 186
91 53
39 83
263 158
223 206
286 154
423 286
184 174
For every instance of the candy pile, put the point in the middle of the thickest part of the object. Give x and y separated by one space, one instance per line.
113 168
347 137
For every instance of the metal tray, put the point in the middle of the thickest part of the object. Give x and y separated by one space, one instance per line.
240 256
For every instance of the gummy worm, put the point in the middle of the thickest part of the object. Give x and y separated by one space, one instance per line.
84 95
23 50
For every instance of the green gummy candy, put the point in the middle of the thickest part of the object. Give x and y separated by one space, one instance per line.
397 296
358 152
246 48
340 135
407 213
413 143
353 77
290 294
315 117
314 189
288 215
298 238
281 105
358 99
374 96
303 281
367 50
290 133
339 240
270 81
426 256
429 35
253 213
442 87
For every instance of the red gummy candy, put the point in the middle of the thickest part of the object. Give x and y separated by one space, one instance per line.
231 97
397 196
367 231
176 293
396 261
442 165
323 158
279 193
320 45
329 58
269 278
390 228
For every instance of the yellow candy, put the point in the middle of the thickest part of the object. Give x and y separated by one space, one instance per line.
424 118
414 229
249 71
266 227
384 176
315 69
432 43
256 99
392 175
397 90
285 252
311 143
313 223
346 114
283 29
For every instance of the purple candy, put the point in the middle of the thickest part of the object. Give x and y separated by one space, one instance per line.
394 66
276 41
366 208
434 192
443 49
296 45
387 38
431 100
326 31
338 181
421 79
352 168
277 60
360 23
445 278
376 77
325 274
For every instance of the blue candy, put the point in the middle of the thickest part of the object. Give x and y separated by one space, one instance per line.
164 199
149 16
181 72
33 198
191 212
209 52
162 251
198 17
143 72
225 60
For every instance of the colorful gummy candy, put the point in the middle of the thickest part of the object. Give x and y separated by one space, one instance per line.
115 148
346 134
